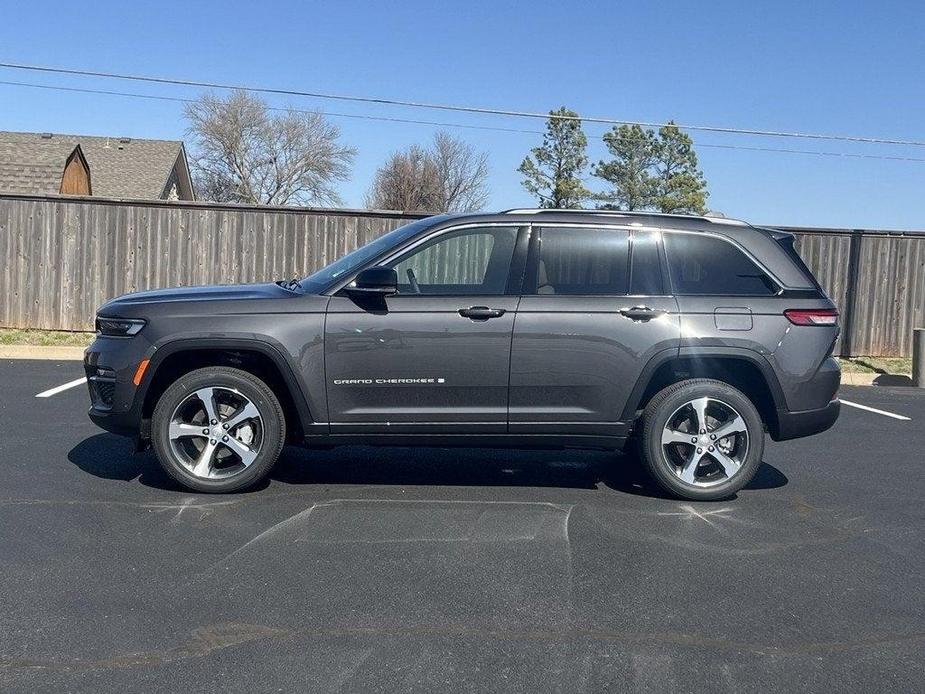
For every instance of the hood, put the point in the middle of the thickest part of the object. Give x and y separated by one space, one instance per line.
209 293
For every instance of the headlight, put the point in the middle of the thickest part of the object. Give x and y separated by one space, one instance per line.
118 327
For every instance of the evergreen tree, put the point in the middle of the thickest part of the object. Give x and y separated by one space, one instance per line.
630 170
652 171
553 173
680 184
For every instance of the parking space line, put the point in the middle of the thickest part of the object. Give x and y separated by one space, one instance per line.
57 389
876 411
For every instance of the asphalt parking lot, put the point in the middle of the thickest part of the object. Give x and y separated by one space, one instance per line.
430 570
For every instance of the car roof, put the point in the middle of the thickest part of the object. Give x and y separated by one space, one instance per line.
633 218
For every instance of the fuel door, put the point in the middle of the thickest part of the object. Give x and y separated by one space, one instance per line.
736 318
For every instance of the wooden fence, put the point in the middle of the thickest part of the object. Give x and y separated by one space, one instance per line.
63 257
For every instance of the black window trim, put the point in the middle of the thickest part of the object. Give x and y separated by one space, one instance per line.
659 255
757 263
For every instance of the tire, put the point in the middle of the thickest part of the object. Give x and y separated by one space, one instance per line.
239 454
678 456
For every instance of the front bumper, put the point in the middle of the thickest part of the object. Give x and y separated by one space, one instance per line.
793 425
115 401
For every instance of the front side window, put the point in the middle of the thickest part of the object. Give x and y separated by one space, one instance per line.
581 261
343 267
469 261
706 265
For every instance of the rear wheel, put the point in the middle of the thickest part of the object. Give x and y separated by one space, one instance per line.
218 429
702 439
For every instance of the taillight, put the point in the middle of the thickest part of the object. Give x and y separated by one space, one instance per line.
812 316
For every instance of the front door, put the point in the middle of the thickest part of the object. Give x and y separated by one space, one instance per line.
589 321
434 358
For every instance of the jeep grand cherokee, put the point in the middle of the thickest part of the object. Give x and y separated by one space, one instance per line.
528 328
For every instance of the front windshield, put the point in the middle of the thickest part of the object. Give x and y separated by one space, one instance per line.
320 280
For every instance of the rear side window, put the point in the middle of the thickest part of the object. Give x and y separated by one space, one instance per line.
706 265
582 261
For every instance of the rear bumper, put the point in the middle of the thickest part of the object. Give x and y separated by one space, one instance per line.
793 425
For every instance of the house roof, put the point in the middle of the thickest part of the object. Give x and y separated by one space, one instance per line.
119 167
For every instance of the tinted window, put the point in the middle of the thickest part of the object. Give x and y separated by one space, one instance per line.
582 261
471 261
647 273
352 261
707 265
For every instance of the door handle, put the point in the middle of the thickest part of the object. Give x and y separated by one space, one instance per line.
481 312
642 313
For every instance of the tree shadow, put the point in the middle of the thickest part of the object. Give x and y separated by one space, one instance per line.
885 378
112 457
893 380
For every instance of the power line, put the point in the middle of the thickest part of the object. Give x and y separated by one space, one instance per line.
178 99
389 119
448 107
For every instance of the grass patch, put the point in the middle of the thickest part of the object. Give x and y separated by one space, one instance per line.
44 338
877 365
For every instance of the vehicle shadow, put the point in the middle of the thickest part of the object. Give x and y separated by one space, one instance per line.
111 457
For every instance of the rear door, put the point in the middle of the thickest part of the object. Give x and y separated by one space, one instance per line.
595 309
435 358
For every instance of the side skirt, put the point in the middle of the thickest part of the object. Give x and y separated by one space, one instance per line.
537 441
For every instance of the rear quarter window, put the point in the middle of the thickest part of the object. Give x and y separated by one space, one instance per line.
706 265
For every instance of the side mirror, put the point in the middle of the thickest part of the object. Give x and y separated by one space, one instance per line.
374 281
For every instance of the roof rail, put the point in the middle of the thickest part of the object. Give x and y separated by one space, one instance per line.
628 213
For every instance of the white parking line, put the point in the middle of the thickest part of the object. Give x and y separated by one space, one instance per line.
57 389
876 411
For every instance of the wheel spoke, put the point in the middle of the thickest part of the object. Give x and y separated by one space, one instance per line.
179 430
730 467
735 425
700 410
689 471
243 451
674 436
203 466
248 411
207 397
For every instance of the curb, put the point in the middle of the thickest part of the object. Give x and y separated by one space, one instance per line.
858 379
55 353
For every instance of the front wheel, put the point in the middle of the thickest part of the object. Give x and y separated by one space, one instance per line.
218 429
702 439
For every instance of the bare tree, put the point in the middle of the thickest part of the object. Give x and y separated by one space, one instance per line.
450 176
244 153
407 181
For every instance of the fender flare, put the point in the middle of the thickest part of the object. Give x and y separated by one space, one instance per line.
264 346
664 356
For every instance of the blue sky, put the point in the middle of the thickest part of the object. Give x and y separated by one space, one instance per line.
846 67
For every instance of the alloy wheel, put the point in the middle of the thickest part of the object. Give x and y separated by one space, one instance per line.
216 432
705 442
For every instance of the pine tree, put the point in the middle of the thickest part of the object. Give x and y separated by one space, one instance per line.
680 184
630 170
553 174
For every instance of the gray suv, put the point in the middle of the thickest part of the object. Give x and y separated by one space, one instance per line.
689 336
